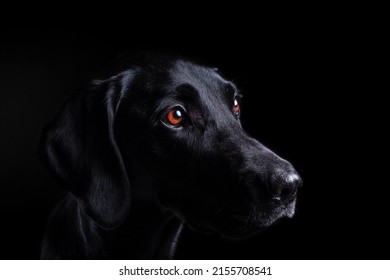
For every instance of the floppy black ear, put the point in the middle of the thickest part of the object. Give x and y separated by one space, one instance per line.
80 149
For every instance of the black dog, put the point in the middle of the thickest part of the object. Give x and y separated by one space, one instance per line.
155 143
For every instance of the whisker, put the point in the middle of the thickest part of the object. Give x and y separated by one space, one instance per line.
220 209
249 217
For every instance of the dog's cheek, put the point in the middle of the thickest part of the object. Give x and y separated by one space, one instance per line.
187 204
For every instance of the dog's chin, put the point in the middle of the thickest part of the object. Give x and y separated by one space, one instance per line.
240 226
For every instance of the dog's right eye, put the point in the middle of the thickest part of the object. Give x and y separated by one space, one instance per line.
175 116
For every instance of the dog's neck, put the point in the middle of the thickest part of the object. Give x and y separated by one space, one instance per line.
149 232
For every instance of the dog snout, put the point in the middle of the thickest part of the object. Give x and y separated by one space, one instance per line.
284 184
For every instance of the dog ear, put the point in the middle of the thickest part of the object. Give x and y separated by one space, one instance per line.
80 150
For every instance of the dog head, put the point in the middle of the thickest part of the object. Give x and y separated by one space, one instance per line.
176 123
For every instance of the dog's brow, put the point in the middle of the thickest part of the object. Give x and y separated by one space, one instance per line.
166 102
230 89
186 92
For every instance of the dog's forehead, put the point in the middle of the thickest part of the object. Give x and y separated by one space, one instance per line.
214 93
202 78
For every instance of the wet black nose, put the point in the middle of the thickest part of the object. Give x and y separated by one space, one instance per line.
283 185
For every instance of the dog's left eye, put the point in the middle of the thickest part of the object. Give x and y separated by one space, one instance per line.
175 116
236 107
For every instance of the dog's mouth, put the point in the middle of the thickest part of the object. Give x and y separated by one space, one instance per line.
235 224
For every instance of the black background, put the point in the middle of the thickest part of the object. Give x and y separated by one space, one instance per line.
302 98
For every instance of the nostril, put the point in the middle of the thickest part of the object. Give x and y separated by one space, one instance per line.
294 180
284 186
285 194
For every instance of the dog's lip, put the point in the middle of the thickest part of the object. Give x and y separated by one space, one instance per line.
262 208
279 208
277 201
242 224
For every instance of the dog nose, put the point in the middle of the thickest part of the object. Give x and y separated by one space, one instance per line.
284 185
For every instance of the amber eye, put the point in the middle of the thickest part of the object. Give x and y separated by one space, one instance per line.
236 107
175 116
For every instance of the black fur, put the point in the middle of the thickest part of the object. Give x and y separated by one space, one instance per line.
133 178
